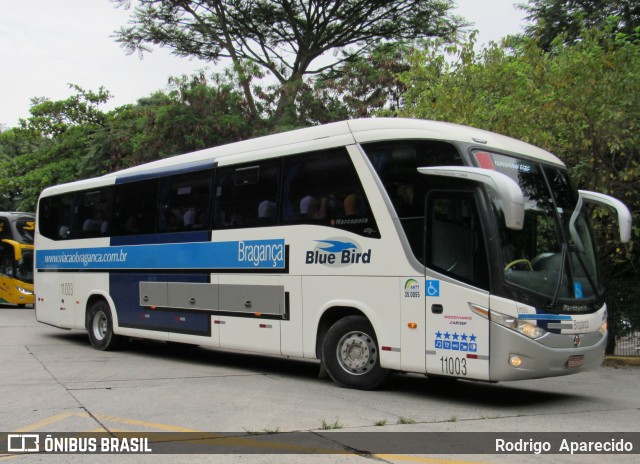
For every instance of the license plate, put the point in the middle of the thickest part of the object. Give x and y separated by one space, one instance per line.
575 361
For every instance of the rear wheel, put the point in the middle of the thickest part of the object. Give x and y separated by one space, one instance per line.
350 354
100 327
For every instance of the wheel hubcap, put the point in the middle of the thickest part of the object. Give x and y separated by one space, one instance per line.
357 353
100 325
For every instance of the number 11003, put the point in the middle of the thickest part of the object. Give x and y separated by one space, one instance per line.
453 366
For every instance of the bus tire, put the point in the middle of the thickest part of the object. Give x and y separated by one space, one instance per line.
100 327
350 354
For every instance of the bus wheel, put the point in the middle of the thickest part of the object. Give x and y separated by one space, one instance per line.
100 327
351 356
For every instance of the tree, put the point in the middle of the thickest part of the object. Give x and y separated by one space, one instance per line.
567 19
194 114
15 143
52 118
284 40
368 84
49 147
581 102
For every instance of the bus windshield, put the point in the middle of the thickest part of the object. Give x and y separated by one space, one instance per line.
16 261
16 273
25 228
24 266
542 259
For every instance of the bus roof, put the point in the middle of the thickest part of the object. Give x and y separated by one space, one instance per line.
338 134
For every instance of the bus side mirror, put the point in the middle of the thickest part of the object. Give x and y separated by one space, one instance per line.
506 188
624 216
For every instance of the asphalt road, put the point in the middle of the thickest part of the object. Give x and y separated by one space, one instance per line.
53 381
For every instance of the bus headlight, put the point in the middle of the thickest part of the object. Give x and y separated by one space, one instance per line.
24 291
513 323
510 322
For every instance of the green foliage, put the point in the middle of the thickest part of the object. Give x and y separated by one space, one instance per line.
52 118
194 114
48 148
72 139
335 425
581 102
565 20
275 83
367 84
286 41
624 301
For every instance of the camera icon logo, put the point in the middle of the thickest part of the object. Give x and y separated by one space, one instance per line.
23 443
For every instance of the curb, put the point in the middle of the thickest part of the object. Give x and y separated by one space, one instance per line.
621 361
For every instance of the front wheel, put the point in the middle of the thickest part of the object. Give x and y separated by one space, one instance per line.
100 327
350 354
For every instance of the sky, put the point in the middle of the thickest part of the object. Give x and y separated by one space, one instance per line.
47 44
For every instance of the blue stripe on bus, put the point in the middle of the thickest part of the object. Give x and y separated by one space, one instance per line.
238 255
545 317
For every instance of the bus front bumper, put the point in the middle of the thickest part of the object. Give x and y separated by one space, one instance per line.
517 357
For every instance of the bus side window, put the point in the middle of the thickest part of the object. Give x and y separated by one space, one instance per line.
184 202
323 188
138 216
55 216
247 195
93 211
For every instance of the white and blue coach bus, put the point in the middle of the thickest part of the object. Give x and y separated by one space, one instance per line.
373 245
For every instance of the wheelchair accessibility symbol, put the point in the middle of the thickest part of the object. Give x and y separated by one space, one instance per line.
432 288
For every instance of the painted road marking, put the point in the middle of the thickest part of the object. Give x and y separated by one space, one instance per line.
214 439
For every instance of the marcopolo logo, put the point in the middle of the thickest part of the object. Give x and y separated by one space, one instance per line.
337 252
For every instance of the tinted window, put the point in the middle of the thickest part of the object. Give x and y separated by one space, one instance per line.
397 165
324 188
25 227
24 269
93 213
247 195
135 207
7 260
184 202
5 229
55 216
455 244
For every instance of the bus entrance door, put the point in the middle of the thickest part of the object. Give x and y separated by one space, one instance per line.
457 338
457 341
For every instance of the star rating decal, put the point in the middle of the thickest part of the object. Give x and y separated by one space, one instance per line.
456 341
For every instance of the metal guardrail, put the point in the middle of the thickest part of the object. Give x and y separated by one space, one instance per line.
628 345
623 302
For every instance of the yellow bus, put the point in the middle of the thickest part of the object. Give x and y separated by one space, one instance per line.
16 258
